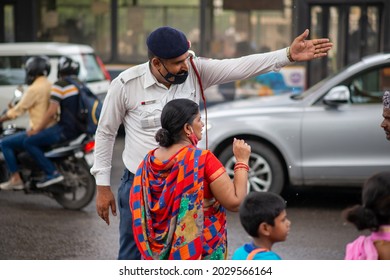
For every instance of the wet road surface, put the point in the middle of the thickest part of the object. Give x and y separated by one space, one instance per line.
36 227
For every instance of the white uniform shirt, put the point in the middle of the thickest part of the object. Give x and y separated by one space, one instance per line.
135 98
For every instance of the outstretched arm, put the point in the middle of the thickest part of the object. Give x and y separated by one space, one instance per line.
304 50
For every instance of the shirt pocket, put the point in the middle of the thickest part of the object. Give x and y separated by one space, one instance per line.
150 113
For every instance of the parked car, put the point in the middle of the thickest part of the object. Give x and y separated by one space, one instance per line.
12 73
329 135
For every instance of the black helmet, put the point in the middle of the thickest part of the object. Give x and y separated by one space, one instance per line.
36 66
67 67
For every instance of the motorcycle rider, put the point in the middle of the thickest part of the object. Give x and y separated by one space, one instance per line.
63 96
35 101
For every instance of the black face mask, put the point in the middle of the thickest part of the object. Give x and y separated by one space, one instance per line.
172 78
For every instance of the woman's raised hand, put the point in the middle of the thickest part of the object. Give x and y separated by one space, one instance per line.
241 150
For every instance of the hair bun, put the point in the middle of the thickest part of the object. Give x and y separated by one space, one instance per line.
163 137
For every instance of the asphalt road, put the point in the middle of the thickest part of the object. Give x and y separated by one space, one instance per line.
36 227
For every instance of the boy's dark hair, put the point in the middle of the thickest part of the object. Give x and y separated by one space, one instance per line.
260 207
375 208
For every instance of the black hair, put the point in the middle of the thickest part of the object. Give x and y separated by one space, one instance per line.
175 114
375 208
260 207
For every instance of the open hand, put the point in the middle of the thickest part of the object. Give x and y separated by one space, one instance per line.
304 50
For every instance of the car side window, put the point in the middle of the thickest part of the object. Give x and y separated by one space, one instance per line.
370 86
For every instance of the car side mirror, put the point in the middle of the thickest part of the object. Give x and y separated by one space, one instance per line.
337 96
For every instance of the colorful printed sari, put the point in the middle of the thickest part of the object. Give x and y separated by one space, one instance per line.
172 219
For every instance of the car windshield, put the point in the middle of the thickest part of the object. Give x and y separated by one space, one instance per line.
314 88
12 70
90 70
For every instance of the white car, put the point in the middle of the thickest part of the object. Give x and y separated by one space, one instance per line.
329 135
12 73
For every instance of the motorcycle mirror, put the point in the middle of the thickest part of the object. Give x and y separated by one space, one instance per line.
18 93
17 96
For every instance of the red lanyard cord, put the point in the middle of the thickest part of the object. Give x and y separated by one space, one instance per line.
203 96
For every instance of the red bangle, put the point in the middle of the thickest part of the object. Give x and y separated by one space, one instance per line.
241 165
235 169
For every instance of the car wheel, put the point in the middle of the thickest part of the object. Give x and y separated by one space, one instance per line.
265 169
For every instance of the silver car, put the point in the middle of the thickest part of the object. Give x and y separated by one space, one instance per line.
329 135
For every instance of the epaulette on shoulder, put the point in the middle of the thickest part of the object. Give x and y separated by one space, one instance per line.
132 73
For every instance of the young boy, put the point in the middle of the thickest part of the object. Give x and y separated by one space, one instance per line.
263 216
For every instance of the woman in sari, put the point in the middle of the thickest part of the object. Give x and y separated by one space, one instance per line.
180 192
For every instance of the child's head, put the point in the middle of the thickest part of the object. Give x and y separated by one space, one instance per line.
264 213
375 208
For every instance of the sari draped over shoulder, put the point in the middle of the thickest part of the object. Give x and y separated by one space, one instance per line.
170 220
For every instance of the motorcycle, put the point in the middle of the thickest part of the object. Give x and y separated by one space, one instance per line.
73 159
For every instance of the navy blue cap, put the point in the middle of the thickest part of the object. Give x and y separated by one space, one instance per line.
167 42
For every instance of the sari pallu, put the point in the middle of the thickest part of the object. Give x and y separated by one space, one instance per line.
169 217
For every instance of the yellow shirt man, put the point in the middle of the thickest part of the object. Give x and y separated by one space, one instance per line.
35 100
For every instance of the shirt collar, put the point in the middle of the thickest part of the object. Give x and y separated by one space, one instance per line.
150 79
